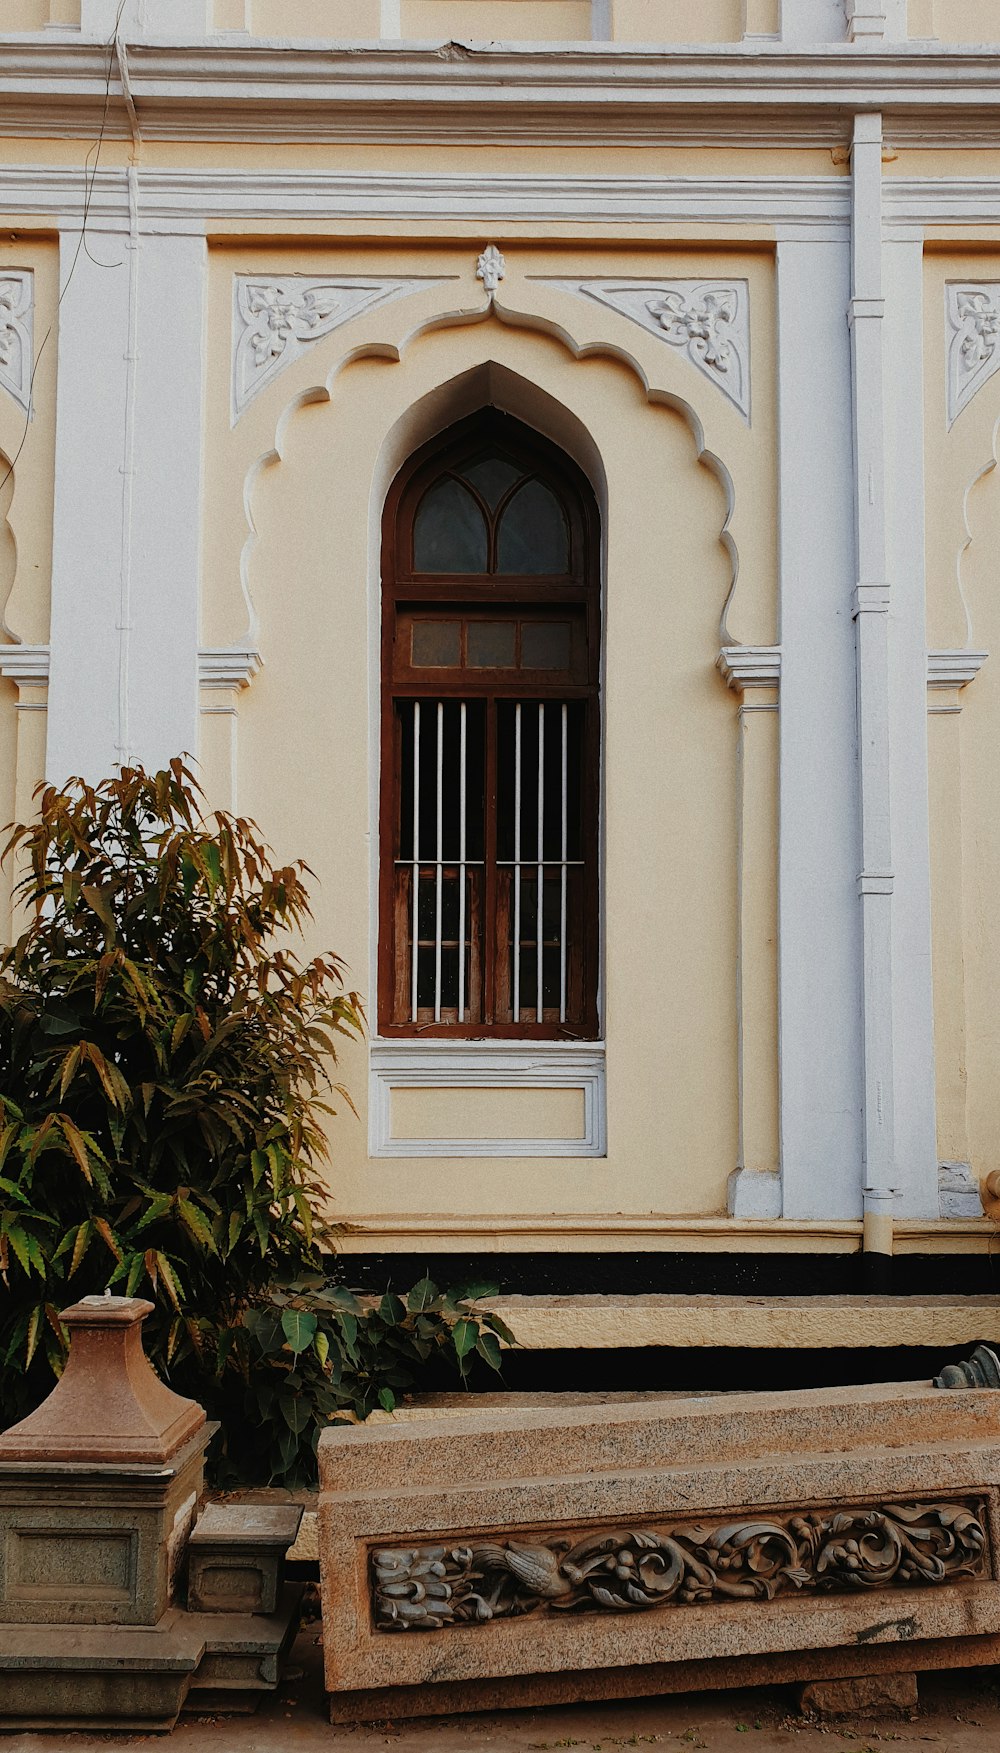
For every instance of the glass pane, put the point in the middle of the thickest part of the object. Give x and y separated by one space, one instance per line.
545 645
491 477
533 532
490 645
449 532
436 645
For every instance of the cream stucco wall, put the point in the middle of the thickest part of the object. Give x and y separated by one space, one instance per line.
313 456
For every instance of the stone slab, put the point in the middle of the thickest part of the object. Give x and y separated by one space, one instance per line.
892 1695
236 1556
572 1541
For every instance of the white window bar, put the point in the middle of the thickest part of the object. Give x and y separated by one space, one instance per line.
562 870
415 942
461 863
517 864
439 856
540 849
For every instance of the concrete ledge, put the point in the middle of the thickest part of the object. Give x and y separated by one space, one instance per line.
542 1323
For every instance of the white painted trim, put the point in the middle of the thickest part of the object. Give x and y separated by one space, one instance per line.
749 666
228 666
510 1065
186 198
954 669
27 666
17 347
972 324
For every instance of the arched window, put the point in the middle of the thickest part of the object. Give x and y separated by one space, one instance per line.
490 739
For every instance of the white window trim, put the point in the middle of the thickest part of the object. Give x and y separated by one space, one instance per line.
410 1064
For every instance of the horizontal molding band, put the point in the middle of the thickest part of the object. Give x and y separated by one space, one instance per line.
215 88
615 1233
187 195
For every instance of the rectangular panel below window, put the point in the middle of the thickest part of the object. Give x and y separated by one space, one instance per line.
553 1093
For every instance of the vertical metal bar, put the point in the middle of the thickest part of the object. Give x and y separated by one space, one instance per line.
439 853
540 849
414 938
461 863
517 864
564 845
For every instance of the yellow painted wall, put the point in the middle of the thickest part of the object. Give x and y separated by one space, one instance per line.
963 610
966 21
306 725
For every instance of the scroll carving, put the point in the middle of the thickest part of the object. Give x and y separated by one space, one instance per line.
709 320
974 348
16 345
276 320
426 1588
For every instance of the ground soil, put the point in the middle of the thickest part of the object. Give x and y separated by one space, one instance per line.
958 1713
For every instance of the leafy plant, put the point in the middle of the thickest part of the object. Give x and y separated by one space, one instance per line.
165 1079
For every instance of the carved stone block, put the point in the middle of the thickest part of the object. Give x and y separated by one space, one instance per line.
586 1550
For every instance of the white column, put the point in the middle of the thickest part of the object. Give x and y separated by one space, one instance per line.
87 712
127 516
871 614
912 994
166 499
819 991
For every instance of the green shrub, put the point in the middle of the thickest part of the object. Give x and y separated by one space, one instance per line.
165 1078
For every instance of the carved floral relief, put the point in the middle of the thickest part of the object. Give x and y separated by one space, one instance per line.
426 1588
973 312
276 320
16 343
709 320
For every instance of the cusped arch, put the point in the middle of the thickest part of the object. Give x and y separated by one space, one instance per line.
508 389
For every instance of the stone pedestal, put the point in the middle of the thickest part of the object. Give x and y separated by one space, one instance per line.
99 1493
477 1560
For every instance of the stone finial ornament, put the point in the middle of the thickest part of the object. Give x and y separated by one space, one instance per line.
981 1370
108 1406
491 268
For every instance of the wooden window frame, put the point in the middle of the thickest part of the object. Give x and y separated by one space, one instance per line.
579 590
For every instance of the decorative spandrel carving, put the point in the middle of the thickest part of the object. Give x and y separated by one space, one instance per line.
491 268
16 343
974 344
425 1588
708 319
276 320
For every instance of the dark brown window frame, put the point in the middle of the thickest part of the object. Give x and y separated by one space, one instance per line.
496 596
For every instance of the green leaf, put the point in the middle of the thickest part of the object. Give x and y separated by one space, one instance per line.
299 1329
423 1295
488 1347
392 1310
387 1399
464 1337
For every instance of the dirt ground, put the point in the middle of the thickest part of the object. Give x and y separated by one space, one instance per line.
958 1713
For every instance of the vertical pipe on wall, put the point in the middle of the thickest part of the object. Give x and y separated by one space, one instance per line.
415 939
563 853
871 616
540 849
461 858
438 860
517 865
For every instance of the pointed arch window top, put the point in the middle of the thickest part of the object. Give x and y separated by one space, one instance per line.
491 516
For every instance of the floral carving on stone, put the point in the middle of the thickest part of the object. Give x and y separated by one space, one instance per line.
276 320
973 312
709 320
16 341
748 1558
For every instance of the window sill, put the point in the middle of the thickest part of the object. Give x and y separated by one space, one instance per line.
486 1065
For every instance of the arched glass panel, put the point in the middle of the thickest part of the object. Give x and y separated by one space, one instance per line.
492 476
449 532
533 532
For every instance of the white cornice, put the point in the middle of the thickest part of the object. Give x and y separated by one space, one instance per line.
186 198
25 665
749 666
228 666
954 669
259 90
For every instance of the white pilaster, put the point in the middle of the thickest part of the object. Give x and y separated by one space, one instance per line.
915 1118
166 500
871 615
127 518
143 19
87 710
813 21
819 992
